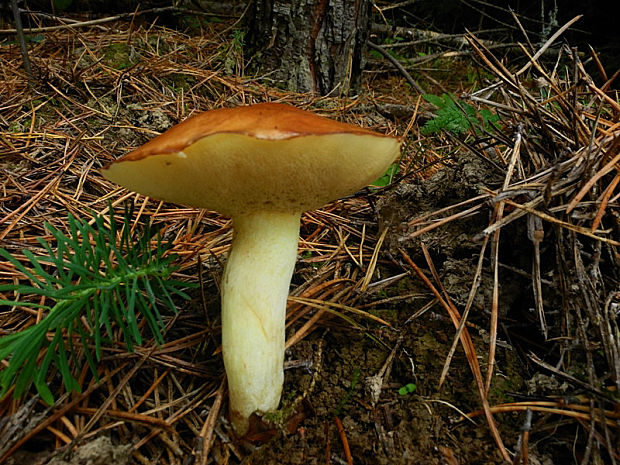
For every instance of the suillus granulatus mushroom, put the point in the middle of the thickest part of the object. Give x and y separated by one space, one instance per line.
263 165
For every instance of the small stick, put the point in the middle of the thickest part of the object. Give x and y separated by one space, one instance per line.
398 66
109 19
547 44
564 224
133 417
570 378
373 262
22 39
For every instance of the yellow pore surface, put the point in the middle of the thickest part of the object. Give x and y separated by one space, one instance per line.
237 174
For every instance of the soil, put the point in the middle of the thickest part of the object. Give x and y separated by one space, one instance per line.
421 427
98 451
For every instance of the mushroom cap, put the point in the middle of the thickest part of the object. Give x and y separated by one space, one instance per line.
268 156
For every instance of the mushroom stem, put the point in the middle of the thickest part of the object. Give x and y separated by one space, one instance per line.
254 287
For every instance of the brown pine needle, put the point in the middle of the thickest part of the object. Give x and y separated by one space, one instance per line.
207 430
344 440
593 180
604 200
611 418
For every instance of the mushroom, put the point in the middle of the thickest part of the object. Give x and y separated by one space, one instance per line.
263 165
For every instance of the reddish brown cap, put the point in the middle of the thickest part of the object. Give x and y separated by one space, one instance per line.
267 156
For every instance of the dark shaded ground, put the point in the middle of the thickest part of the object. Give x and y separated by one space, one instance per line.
421 427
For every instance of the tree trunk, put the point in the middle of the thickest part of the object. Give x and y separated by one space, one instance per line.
314 46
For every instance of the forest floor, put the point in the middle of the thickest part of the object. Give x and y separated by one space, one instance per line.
463 310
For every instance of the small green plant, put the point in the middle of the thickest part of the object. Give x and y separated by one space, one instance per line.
96 278
120 56
454 117
407 389
354 380
233 55
388 176
61 5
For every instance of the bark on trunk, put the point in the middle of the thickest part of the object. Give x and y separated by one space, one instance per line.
314 46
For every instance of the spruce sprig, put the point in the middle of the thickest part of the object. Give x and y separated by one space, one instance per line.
456 116
95 273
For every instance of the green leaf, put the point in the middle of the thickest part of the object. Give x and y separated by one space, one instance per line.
407 389
21 267
44 392
11 287
388 176
63 366
51 280
435 100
